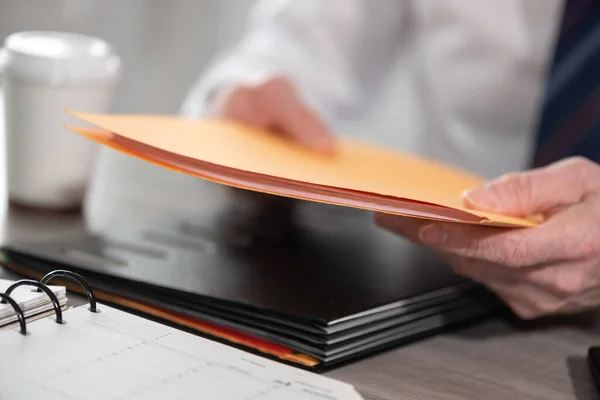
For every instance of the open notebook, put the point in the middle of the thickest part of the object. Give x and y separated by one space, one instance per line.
358 175
110 354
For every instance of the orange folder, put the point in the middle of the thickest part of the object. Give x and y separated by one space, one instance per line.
358 175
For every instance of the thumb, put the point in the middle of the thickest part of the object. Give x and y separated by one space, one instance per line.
537 191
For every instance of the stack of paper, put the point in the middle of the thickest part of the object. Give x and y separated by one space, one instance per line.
358 175
34 304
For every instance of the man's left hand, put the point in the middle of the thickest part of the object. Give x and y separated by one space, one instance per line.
549 269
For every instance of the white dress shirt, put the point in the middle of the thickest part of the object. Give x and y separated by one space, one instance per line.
480 67
480 75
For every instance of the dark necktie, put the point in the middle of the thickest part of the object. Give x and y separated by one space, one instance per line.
570 114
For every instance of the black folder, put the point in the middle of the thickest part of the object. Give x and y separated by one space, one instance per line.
333 286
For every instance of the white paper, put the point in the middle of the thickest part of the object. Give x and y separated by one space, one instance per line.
29 300
116 355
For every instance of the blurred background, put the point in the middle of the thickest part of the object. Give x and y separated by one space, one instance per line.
164 47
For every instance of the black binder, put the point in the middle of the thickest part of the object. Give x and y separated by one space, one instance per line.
334 288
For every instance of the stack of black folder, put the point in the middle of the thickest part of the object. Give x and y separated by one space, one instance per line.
333 287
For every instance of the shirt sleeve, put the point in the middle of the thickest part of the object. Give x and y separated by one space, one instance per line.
337 53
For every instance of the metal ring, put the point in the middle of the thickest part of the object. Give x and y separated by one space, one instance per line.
46 289
20 316
74 277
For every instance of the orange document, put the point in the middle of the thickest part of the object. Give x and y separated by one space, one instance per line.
358 175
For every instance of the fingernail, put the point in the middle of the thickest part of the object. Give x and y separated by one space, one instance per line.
480 198
432 234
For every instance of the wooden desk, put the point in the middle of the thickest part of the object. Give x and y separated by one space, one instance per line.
493 360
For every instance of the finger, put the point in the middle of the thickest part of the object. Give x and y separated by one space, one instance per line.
404 226
569 236
478 271
516 248
292 118
536 291
537 191
493 245
527 300
495 283
587 300
565 280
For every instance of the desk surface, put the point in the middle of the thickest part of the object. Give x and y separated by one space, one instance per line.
492 360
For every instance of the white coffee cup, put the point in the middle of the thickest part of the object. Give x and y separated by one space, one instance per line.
42 74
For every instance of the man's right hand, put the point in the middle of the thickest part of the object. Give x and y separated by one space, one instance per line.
273 105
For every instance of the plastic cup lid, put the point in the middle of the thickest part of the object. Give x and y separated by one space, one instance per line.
60 58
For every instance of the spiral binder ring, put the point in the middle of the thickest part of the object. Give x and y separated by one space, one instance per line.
74 277
46 289
20 316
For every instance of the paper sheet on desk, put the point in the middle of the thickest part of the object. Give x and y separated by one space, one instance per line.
358 175
29 300
116 355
